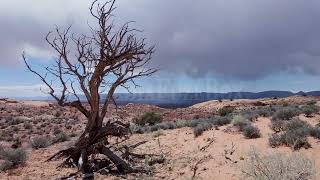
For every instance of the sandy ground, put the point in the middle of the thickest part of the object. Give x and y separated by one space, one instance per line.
182 150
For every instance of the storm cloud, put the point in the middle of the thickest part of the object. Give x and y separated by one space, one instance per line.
245 39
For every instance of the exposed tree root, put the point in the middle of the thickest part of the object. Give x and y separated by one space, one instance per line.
88 147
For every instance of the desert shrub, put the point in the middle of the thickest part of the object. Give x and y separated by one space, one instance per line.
14 121
286 113
240 122
40 142
15 128
192 123
73 134
57 113
297 124
200 128
56 130
149 118
278 166
293 124
312 102
295 139
182 123
221 121
22 119
68 126
136 129
250 115
276 140
27 125
61 137
285 104
196 116
12 158
251 132
265 111
278 125
16 143
315 132
164 126
295 134
308 110
6 136
157 134
153 128
226 110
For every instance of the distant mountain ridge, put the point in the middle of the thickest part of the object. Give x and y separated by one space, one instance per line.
188 99
173 100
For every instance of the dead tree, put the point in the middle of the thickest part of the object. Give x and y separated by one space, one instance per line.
94 66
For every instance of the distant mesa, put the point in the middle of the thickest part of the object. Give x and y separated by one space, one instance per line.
177 100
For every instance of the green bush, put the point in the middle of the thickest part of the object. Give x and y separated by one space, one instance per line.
295 139
276 140
265 111
296 124
12 158
149 118
226 110
27 125
251 132
293 124
167 125
40 142
295 134
200 128
221 121
136 129
286 113
308 110
315 132
313 102
56 130
278 125
61 137
278 166
240 122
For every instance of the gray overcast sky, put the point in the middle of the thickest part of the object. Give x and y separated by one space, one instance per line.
245 40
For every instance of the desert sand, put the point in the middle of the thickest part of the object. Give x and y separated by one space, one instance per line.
210 152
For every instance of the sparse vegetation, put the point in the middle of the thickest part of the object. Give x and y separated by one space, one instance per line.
40 142
312 102
295 134
198 125
277 125
286 113
309 110
12 158
221 121
315 132
200 128
265 111
278 166
149 118
27 125
251 132
240 122
226 110
61 137
295 139
276 140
